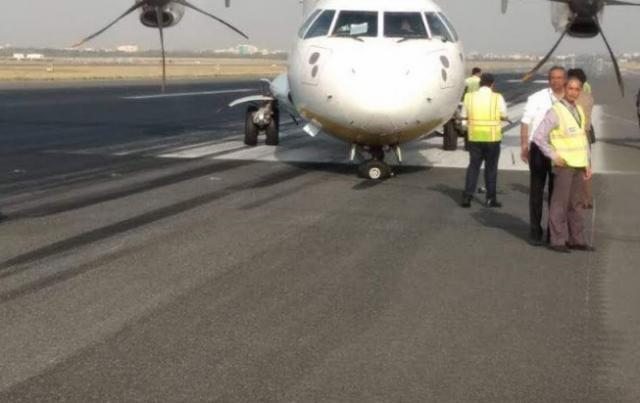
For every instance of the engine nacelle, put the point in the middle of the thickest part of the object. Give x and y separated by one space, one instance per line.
172 13
578 18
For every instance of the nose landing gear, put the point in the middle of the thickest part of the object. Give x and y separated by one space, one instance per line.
374 167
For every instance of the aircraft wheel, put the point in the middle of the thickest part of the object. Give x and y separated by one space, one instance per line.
273 130
250 130
375 170
450 137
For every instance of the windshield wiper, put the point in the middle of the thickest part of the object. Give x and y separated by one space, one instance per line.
406 38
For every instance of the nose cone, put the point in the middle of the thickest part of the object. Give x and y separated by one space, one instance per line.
385 89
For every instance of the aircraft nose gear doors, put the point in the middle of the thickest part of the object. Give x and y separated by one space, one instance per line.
265 118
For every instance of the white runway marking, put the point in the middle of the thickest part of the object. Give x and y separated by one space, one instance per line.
189 94
296 147
620 119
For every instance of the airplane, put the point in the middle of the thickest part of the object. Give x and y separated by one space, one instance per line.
579 19
161 14
373 73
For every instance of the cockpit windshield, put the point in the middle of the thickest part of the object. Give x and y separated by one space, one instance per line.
322 25
450 26
438 27
357 24
404 25
308 22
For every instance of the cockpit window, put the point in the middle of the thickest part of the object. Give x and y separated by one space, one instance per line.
308 22
404 25
438 28
322 25
447 21
357 23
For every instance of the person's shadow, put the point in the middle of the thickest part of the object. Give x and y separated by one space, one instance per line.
513 225
487 217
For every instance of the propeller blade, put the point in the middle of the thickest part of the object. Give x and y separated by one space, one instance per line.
191 6
164 61
616 66
620 3
129 11
533 71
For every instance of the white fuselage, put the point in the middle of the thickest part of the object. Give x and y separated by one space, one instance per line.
376 89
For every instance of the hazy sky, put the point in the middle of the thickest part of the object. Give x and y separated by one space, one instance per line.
273 23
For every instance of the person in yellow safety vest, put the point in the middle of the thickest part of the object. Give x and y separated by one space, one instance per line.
472 84
562 137
484 111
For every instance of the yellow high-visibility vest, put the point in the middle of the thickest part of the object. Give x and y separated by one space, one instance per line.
484 120
472 83
569 140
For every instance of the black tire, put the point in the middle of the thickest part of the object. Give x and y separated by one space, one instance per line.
374 170
273 130
250 129
450 136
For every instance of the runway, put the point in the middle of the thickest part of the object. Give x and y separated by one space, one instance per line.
150 256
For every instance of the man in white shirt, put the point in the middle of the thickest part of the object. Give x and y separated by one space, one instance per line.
535 111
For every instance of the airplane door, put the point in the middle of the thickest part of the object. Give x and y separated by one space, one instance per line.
313 64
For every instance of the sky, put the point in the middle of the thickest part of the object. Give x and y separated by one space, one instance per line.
526 28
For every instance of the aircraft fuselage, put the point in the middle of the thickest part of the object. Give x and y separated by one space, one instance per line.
377 88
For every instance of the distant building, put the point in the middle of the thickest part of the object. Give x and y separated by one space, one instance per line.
35 56
19 56
247 50
128 48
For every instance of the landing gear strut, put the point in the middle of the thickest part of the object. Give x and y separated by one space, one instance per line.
264 118
375 168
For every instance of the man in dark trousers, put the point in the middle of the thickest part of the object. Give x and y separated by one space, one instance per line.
535 110
562 137
484 111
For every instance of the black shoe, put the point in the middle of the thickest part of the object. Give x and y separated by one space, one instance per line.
466 201
493 203
582 248
3 217
559 248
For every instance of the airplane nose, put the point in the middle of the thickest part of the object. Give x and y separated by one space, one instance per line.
386 91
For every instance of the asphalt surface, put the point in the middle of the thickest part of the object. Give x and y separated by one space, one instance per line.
150 256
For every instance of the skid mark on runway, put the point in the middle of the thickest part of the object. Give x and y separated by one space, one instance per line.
7 267
80 202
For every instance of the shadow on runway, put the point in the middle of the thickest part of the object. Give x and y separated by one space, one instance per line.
490 218
517 187
515 226
454 194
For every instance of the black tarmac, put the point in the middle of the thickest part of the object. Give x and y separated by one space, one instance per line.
130 277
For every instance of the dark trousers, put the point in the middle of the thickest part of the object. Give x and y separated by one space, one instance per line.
566 216
489 153
540 169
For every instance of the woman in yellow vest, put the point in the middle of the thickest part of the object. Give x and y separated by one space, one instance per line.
562 137
484 111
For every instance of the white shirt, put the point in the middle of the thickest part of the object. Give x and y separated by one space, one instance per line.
536 109
501 104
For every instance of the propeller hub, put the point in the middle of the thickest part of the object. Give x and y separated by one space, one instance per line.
586 8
